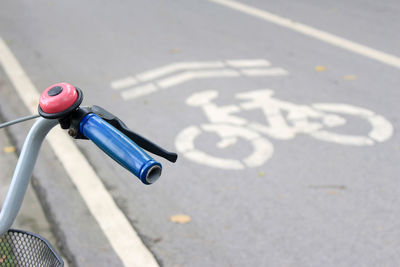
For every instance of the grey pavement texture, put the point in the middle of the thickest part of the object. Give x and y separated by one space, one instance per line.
313 203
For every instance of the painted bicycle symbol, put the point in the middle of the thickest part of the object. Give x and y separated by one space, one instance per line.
283 120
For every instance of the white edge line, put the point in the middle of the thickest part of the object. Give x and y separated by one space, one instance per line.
110 218
332 39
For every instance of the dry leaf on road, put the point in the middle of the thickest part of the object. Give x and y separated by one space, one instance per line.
180 218
9 149
320 68
350 77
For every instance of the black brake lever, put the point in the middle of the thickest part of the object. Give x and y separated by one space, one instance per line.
138 139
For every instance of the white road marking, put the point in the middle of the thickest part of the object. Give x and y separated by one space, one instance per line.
227 142
203 158
264 72
332 39
189 75
185 144
185 71
351 140
176 79
139 91
382 129
156 73
283 121
262 148
263 151
187 137
243 63
110 218
192 70
123 83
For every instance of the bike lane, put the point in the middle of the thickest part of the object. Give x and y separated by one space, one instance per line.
309 196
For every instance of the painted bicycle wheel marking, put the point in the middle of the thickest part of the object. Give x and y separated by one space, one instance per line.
283 120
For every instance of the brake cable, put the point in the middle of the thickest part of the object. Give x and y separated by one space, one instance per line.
27 118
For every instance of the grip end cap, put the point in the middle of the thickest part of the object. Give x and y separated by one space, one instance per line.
150 172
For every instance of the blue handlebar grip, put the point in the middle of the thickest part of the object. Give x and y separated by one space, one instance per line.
120 148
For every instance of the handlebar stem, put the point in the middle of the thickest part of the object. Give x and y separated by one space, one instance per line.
23 172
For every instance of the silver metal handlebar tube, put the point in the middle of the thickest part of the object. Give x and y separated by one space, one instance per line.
23 172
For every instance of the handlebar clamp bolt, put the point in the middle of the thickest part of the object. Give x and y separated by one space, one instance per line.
72 132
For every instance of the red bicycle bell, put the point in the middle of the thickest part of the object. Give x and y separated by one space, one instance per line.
58 100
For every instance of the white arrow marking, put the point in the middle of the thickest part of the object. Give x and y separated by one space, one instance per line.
139 91
245 63
190 75
124 83
264 72
159 72
183 77
192 70
184 66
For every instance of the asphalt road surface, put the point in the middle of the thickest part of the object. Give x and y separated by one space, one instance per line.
287 138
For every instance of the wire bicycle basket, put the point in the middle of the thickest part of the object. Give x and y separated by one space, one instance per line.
20 248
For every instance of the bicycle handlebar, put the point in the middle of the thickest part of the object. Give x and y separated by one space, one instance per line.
120 148
59 103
